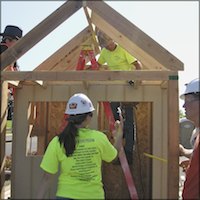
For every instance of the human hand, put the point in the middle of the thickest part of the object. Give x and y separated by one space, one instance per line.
117 129
117 135
184 164
105 67
181 150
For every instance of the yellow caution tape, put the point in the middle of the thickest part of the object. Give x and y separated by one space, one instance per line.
155 157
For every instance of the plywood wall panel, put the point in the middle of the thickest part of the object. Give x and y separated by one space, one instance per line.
55 117
115 184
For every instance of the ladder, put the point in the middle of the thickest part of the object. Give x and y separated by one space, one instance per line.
87 51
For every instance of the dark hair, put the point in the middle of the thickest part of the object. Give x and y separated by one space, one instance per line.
68 136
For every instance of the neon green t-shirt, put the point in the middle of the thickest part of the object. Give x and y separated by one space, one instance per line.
80 175
119 59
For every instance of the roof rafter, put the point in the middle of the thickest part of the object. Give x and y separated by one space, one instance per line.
39 32
144 48
132 38
66 53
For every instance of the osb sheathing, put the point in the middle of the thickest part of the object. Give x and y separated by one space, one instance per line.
113 177
47 123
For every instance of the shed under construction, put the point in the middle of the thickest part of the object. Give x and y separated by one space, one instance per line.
41 97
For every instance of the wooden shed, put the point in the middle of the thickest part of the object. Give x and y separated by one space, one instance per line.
41 97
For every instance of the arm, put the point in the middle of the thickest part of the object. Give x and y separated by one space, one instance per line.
185 152
102 67
118 134
44 185
138 65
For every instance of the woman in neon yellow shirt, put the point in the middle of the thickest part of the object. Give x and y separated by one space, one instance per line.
79 151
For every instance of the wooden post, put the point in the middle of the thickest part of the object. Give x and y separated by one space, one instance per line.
173 138
4 103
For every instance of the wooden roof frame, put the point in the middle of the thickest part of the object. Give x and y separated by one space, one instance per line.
139 44
159 63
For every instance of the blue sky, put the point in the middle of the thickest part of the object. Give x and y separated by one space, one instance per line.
173 24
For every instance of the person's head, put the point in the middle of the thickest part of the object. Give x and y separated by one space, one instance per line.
191 96
106 42
79 107
80 111
11 34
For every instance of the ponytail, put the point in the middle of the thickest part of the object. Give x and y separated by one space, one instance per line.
68 136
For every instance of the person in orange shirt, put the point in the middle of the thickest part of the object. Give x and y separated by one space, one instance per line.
191 96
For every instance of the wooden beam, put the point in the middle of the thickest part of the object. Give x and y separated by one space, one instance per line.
131 37
13 83
147 61
69 62
173 139
65 52
87 75
88 16
3 110
39 32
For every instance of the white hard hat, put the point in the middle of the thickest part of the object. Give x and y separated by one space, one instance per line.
79 104
192 87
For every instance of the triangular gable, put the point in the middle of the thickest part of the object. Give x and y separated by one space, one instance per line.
144 48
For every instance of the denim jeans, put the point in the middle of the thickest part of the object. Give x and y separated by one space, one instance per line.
128 128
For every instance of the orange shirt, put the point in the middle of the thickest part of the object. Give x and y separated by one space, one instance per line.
191 188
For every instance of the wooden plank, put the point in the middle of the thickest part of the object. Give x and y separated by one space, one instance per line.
173 140
87 75
142 164
164 181
32 113
141 43
116 83
13 83
88 16
153 94
147 61
4 100
66 51
40 83
39 32
22 190
69 62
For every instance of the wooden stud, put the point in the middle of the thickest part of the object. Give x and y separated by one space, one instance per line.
4 100
173 139
96 45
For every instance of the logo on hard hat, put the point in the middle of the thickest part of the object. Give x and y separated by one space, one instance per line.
72 105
